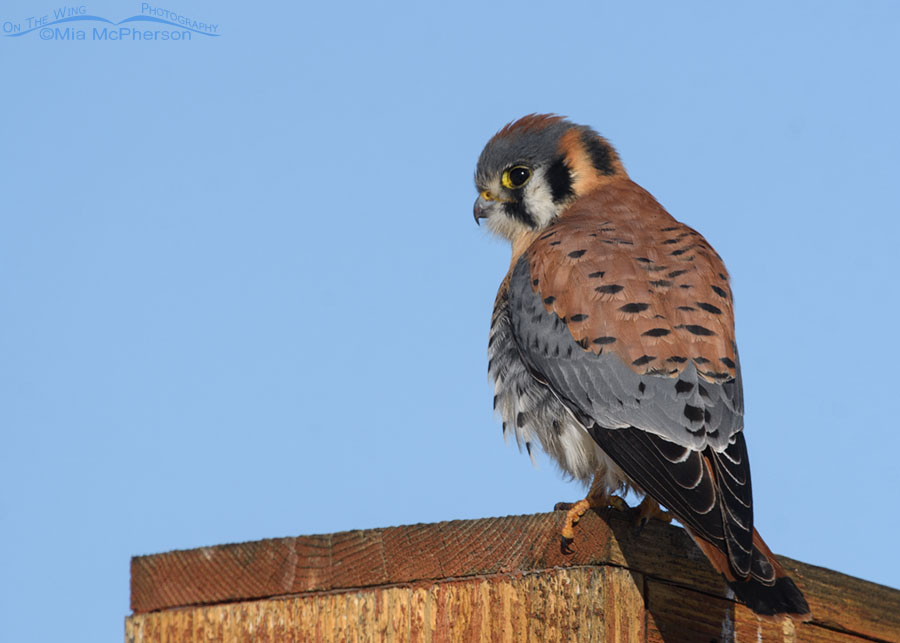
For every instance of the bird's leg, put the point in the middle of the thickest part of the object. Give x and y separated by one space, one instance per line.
648 509
597 498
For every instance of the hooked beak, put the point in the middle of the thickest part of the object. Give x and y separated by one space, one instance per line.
481 209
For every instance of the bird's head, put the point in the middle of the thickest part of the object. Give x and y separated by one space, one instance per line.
533 168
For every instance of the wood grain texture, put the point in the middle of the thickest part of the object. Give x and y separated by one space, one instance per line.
500 579
584 604
677 614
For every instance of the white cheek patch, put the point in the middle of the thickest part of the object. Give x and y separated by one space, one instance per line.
498 221
540 199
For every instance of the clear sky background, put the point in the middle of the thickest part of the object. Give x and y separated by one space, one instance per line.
243 296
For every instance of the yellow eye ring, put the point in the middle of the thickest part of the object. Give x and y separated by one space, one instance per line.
515 177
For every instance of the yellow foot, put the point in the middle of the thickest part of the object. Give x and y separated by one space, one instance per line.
572 517
648 509
605 502
577 510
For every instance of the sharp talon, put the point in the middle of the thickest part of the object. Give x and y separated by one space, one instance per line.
650 509
577 509
573 515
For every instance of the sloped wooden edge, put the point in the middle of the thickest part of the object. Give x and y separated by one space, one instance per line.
488 546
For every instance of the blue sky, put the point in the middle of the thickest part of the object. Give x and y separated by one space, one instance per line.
243 295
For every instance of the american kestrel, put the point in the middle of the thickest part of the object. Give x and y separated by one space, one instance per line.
612 344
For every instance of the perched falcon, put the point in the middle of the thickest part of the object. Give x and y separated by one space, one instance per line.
612 344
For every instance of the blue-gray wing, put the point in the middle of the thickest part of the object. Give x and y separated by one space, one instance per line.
676 435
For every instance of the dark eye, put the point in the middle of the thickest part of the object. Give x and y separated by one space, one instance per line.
515 177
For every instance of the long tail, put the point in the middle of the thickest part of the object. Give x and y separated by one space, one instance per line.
767 589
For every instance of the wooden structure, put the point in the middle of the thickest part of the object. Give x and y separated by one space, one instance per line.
494 579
